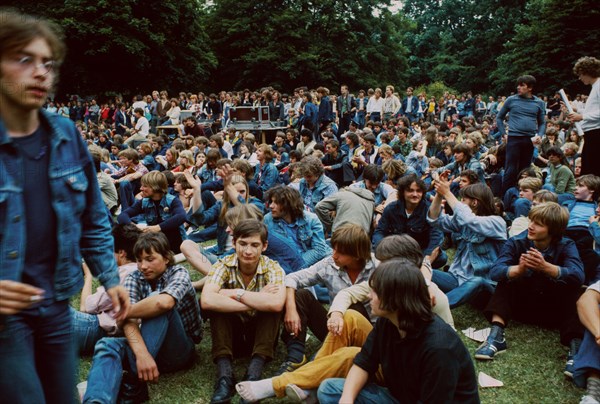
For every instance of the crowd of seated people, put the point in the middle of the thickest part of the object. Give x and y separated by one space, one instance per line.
348 211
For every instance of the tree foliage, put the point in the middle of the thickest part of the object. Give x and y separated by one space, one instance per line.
129 46
558 33
124 46
287 43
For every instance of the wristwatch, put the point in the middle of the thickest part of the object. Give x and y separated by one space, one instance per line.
239 294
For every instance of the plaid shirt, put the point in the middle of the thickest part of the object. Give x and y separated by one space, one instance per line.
175 282
225 273
139 168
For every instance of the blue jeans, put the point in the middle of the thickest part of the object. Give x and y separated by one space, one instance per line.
127 191
519 152
462 294
165 339
86 331
330 391
586 360
206 234
360 119
37 359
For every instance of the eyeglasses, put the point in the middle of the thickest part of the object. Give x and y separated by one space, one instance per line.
28 64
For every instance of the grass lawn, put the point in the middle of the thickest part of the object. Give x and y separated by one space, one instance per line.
531 368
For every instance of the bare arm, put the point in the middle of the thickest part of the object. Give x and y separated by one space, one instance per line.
589 312
145 363
196 184
152 306
270 299
226 172
291 319
87 287
195 258
436 207
355 381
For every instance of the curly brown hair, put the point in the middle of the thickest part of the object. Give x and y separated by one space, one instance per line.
588 65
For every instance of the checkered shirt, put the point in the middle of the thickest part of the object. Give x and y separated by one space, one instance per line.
175 282
225 273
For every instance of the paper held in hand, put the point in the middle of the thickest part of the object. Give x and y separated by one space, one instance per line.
567 103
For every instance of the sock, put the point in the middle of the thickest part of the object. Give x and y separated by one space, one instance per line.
593 388
224 366
295 351
254 391
255 368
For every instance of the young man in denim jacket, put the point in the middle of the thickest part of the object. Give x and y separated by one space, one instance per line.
51 213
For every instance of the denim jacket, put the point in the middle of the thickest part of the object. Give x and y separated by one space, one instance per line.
82 224
395 221
323 188
478 240
309 232
266 176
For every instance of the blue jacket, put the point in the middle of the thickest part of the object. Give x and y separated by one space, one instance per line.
324 187
325 112
82 224
266 176
562 254
478 241
414 102
394 221
311 114
455 169
172 216
309 232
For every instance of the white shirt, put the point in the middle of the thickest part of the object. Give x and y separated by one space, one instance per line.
142 126
375 105
139 104
591 113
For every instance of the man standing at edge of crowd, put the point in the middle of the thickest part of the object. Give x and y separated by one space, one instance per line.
526 118
51 212
588 70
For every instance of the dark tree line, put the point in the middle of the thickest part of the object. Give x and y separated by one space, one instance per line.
130 46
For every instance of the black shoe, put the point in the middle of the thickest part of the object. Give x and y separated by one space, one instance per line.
133 391
224 390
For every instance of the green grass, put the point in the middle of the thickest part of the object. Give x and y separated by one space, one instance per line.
531 368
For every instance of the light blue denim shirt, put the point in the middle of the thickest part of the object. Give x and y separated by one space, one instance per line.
323 188
309 233
81 219
478 239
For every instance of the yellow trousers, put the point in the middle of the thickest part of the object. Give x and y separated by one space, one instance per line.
334 359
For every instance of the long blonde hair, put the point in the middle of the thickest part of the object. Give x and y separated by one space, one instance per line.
235 179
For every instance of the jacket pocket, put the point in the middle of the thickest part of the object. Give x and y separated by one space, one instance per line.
77 183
